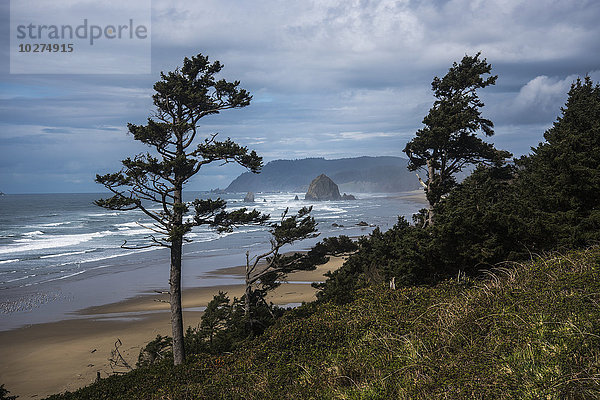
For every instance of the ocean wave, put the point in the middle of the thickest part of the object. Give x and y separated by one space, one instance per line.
53 224
19 279
72 253
72 274
33 233
59 278
128 224
10 261
104 214
50 242
336 216
130 232
102 258
47 225
328 209
208 236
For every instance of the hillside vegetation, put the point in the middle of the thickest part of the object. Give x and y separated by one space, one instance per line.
529 331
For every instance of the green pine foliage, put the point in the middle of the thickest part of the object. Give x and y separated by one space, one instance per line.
560 181
449 140
381 256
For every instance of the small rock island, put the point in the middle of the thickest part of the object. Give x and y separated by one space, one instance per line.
323 188
249 198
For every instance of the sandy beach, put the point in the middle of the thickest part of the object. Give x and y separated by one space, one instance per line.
44 359
417 195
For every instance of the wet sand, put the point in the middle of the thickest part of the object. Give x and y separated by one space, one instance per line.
44 359
417 195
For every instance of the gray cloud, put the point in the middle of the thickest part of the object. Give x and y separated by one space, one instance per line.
331 78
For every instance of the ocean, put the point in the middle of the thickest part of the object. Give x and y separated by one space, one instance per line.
60 253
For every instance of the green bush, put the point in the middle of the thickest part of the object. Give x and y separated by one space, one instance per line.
4 394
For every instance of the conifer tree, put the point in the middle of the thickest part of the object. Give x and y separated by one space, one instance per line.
449 142
560 181
182 98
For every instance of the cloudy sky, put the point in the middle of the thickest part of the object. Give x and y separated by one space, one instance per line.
330 78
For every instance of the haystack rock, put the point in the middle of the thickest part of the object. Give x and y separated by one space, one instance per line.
249 197
322 188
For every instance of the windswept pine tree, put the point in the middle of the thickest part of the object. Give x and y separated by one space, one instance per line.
449 142
182 98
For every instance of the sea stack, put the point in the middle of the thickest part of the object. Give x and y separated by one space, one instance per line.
249 197
322 188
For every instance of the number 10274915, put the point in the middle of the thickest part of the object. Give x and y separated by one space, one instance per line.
46 48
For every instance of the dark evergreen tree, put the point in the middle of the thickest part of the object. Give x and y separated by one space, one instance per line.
479 224
207 337
560 181
182 98
449 142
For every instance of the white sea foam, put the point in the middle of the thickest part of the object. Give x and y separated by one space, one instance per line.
117 255
134 228
103 214
9 261
61 277
72 253
50 242
53 224
20 279
34 233
128 225
47 225
208 236
128 232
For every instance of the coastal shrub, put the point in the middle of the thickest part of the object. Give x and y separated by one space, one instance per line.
158 349
223 326
4 394
380 257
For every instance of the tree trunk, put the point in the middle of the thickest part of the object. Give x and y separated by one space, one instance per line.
175 277
175 299
248 289
431 173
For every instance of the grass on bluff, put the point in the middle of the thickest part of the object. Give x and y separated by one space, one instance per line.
528 331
